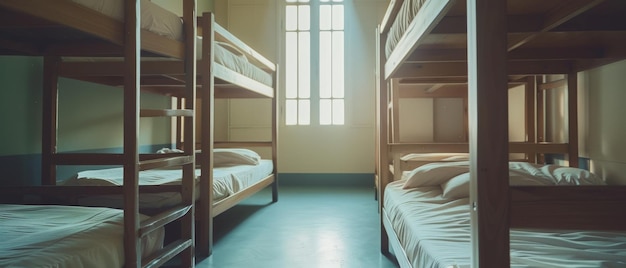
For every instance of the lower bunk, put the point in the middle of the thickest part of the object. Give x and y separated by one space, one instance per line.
66 236
426 216
235 171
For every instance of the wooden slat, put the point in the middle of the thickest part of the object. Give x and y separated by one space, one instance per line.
459 69
235 78
444 91
168 252
160 220
237 144
236 198
166 162
88 159
165 112
568 207
561 83
429 147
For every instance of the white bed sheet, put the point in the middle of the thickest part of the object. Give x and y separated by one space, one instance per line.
226 181
65 236
435 232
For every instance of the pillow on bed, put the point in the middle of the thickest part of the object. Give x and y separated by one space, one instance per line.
434 174
459 186
237 156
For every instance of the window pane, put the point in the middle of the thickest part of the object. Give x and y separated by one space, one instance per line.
291 112
291 63
337 17
291 1
337 0
324 1
304 17
325 64
325 112
304 112
291 18
325 17
303 1
338 65
338 112
304 62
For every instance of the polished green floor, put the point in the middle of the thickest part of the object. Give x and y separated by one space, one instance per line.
308 227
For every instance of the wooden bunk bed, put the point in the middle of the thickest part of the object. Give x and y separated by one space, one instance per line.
506 40
56 29
227 68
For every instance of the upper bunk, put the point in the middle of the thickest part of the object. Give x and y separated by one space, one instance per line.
85 27
232 68
428 39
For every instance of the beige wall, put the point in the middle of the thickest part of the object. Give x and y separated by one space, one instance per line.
311 149
606 142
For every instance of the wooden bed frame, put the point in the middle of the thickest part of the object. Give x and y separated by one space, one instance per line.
54 29
165 77
507 40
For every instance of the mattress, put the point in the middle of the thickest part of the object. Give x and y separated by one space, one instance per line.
65 236
227 180
435 232
405 16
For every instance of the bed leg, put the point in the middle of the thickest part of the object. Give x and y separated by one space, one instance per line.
275 192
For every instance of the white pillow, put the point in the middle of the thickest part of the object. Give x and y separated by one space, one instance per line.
235 156
434 174
459 186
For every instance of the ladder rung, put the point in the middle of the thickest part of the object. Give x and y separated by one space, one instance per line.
165 112
162 219
166 162
166 253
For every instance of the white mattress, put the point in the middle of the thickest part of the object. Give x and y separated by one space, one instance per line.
64 236
435 232
226 181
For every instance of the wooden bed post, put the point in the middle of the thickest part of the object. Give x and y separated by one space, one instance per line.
50 102
530 96
488 136
205 211
187 227
275 120
540 116
572 118
132 45
382 133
